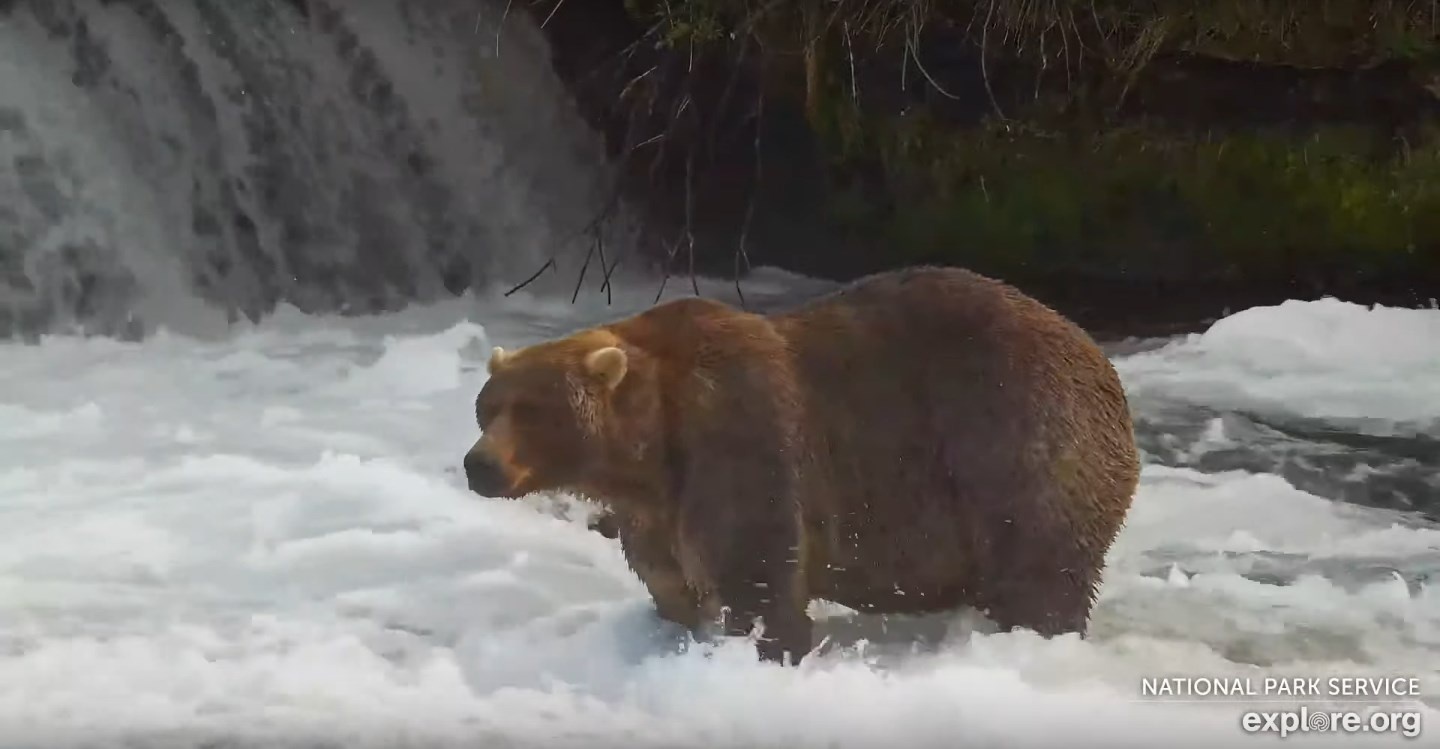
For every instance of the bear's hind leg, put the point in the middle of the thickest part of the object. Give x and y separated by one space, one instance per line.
1050 601
1047 620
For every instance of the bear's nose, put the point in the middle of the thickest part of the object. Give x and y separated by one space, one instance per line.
484 476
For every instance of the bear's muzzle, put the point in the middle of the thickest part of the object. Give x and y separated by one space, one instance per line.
485 476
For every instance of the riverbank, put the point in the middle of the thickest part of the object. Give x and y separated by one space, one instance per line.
1129 163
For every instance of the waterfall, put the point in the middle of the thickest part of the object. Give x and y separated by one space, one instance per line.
182 163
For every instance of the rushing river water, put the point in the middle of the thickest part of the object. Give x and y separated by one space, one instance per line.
264 537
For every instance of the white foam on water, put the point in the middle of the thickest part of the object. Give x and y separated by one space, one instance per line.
265 539
1375 368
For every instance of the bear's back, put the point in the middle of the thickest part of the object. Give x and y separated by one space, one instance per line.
910 351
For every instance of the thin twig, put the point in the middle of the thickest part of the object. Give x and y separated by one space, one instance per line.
850 50
499 26
553 11
719 113
690 216
604 266
984 69
912 45
583 267
605 280
741 251
548 265
669 260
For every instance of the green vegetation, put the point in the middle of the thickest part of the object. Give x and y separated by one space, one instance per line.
1062 181
1133 198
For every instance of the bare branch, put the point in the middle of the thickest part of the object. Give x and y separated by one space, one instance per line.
499 27
719 113
690 215
583 267
741 252
605 271
547 266
553 11
912 46
984 70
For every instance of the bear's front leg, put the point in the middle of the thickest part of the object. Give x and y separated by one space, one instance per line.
605 523
649 551
739 484
746 557
759 588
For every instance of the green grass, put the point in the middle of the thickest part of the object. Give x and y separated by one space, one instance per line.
1253 203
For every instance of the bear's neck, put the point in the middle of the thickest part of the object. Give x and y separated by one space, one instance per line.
638 481
624 494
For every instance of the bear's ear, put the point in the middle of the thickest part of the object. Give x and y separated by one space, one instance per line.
497 358
609 364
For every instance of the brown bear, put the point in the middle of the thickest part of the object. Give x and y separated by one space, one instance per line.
915 441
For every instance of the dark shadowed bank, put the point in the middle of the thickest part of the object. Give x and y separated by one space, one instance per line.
1143 166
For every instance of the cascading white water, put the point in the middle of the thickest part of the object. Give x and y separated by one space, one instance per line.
178 162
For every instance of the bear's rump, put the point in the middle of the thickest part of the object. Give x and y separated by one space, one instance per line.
944 428
927 488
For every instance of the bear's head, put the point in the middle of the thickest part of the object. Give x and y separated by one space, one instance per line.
574 414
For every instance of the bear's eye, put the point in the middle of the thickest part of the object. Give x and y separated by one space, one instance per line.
484 412
525 411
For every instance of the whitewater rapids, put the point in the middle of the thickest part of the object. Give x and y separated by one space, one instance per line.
263 540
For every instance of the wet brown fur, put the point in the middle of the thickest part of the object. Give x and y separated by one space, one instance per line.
916 441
